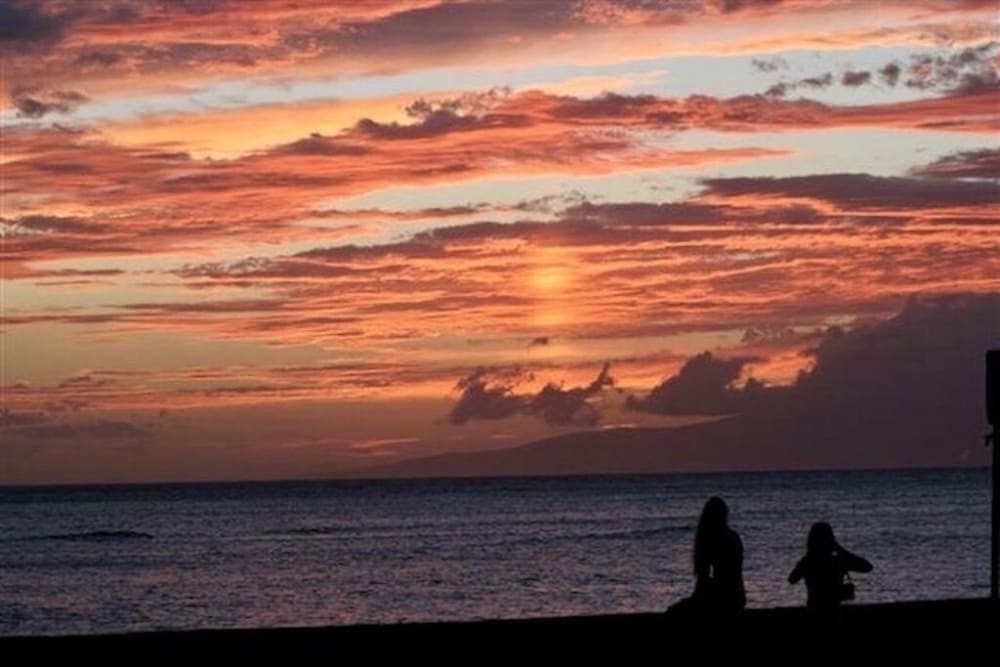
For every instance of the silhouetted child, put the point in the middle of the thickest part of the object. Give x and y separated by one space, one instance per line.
718 564
825 567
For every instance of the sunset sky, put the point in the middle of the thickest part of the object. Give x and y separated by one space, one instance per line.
279 238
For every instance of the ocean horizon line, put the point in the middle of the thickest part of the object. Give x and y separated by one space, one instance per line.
468 478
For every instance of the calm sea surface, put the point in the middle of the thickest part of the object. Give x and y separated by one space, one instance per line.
126 558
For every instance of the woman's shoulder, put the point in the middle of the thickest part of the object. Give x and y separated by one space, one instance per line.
733 539
848 561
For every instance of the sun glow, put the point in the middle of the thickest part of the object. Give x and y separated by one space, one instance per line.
551 280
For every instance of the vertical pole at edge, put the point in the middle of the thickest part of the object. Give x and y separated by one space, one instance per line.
993 419
995 530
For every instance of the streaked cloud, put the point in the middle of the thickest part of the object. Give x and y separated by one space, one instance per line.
248 228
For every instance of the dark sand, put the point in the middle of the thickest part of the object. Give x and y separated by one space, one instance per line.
957 626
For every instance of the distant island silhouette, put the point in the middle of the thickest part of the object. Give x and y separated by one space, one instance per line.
928 358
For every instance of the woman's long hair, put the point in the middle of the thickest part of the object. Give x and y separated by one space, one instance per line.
821 541
711 526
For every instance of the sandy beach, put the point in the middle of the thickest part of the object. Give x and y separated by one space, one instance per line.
964 624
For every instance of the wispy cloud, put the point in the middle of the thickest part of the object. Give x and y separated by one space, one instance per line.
265 206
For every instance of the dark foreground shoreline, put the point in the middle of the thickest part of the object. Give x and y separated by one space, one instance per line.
947 623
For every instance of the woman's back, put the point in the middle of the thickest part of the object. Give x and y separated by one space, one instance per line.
718 565
824 567
719 575
824 575
718 560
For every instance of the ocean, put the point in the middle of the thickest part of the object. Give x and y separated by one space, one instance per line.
97 559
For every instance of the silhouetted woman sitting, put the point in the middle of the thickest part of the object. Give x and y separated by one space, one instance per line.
825 567
718 564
